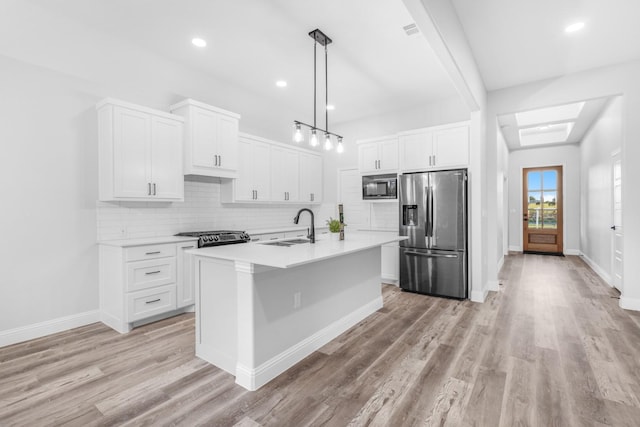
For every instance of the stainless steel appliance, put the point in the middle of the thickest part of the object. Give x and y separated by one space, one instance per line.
376 187
217 238
433 214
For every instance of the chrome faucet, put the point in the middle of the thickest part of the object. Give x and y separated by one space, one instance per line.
312 233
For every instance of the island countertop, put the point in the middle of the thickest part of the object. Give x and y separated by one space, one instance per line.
300 254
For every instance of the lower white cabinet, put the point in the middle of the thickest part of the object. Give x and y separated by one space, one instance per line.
390 269
143 281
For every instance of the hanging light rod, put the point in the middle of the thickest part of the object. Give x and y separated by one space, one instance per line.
322 39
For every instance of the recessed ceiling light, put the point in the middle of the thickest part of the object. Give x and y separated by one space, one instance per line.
574 27
281 83
199 42
331 107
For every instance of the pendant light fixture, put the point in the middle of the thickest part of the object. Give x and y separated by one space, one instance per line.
298 136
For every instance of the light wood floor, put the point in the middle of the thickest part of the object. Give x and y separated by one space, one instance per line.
552 348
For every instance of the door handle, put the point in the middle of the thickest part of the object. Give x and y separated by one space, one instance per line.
431 255
219 160
149 189
154 188
613 227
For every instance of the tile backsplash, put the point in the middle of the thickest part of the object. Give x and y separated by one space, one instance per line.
200 211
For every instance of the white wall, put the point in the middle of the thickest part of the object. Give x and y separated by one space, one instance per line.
502 198
604 137
568 156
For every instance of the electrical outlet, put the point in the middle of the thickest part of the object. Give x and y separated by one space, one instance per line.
296 300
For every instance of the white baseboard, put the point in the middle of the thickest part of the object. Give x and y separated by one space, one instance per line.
479 295
38 330
629 303
500 263
573 252
515 248
253 379
599 271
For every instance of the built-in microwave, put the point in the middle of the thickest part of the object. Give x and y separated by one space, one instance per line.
376 187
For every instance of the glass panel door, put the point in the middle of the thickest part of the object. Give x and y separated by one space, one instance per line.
542 209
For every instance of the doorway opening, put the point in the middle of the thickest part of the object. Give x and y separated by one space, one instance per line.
542 225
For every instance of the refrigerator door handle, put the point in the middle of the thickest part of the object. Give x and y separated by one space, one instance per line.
431 255
430 211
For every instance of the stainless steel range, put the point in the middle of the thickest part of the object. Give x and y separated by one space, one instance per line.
217 238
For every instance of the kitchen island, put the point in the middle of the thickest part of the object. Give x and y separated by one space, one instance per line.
261 308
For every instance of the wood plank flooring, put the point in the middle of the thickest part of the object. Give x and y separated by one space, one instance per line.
551 348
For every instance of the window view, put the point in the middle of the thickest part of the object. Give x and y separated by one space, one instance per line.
543 211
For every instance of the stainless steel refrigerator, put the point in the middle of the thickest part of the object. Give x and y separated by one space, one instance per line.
433 214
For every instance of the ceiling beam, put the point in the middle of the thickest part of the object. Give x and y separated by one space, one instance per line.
439 24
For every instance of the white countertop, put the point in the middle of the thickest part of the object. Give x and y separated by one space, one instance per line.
296 255
124 243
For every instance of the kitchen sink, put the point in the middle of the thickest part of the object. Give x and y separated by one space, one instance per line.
286 242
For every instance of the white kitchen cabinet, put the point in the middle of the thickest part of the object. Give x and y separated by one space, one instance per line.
254 173
310 178
144 281
285 170
271 172
140 153
439 147
378 156
390 260
185 284
263 237
211 139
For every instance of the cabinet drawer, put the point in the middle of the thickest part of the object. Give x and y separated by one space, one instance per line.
265 237
147 274
291 234
138 253
149 302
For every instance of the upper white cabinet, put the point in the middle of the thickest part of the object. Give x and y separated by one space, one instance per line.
211 139
140 153
378 156
434 148
310 178
254 173
285 172
271 172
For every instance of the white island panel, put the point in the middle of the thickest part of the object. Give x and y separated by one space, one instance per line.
256 321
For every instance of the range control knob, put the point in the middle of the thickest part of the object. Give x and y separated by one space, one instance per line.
216 238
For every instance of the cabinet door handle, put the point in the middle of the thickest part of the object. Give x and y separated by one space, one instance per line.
215 160
154 188
434 160
152 272
152 301
187 247
219 160
149 189
152 253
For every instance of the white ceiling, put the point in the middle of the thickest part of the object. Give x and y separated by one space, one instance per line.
374 67
516 42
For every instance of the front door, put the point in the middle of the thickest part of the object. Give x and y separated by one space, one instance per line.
542 210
